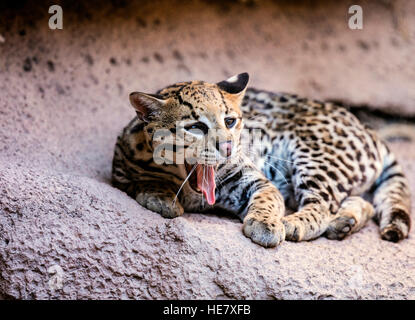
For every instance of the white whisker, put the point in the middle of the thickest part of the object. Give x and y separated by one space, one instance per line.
279 172
274 157
185 180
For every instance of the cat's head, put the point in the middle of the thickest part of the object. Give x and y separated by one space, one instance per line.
196 122
200 115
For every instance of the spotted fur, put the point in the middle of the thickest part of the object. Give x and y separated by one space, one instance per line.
315 170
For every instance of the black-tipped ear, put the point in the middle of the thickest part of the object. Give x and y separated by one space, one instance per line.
147 106
235 84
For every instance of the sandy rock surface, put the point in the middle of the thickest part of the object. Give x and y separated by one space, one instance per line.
66 233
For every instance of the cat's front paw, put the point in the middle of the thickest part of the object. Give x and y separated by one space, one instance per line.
264 233
166 206
294 228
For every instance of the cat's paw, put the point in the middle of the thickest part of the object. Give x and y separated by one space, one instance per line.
341 228
266 234
294 228
166 206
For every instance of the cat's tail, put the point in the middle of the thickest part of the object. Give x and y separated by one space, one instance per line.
392 200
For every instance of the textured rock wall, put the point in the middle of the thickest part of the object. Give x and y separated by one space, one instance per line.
66 233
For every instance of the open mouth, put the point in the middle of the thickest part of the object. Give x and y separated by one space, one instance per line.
202 180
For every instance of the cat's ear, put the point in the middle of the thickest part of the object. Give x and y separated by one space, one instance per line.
236 84
147 106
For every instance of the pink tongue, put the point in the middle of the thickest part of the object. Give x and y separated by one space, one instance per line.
206 182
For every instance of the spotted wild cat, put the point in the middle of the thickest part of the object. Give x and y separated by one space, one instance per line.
315 159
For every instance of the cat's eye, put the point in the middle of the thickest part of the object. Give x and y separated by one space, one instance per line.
198 126
230 122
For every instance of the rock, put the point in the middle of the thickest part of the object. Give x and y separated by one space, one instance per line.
72 237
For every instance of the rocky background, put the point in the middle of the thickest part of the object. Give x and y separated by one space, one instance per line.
65 233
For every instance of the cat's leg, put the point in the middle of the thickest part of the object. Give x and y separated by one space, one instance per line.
257 202
315 198
158 196
353 214
262 222
392 199
310 222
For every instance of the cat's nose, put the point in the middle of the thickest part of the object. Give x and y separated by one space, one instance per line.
224 148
